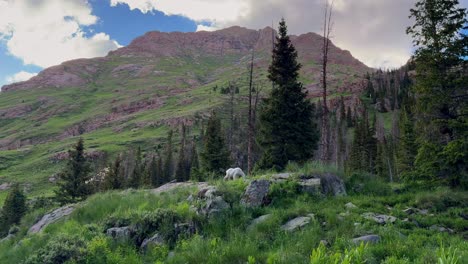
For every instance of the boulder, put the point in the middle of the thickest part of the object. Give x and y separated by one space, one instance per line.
213 206
296 223
51 218
281 177
372 239
332 184
441 229
259 220
185 229
156 240
379 218
256 193
5 186
124 232
311 186
350 206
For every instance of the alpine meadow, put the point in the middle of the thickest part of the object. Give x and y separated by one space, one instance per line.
204 141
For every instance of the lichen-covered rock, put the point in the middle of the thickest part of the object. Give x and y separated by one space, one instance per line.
51 218
311 186
155 240
332 184
379 218
296 223
124 232
256 193
372 239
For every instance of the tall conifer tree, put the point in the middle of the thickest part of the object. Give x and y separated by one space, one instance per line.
287 129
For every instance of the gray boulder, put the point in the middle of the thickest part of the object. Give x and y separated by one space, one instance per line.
350 206
372 239
332 184
213 206
256 193
311 186
296 223
441 229
156 240
259 220
52 217
280 177
120 232
379 218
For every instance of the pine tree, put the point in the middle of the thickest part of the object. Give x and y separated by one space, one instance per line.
407 144
287 130
168 162
181 168
215 156
349 117
73 178
137 173
195 173
153 173
439 34
13 209
114 179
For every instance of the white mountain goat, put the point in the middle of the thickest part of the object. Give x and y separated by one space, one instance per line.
233 174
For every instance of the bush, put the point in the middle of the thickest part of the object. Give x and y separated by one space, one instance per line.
61 249
161 220
283 191
368 184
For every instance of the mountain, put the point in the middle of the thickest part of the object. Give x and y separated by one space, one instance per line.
135 94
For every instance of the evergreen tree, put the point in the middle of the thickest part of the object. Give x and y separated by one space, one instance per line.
215 156
349 117
136 177
195 173
168 162
153 171
160 172
407 144
439 34
181 168
114 179
287 130
13 209
73 178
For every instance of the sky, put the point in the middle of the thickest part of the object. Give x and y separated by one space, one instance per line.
36 34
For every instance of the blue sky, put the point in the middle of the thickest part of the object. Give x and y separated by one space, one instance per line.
36 34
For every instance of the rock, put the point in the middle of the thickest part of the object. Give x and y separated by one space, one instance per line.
259 220
10 236
296 223
213 206
190 198
51 218
379 218
207 192
281 177
256 193
350 206
185 229
332 184
372 239
155 240
52 179
409 211
441 229
5 186
119 232
311 186
175 185
324 242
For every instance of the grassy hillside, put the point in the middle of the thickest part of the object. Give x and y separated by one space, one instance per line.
133 99
230 238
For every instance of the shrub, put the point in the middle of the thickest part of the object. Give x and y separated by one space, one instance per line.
60 249
161 220
368 184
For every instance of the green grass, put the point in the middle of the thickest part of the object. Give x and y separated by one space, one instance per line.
229 239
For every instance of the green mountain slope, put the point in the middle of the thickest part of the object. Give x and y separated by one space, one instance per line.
135 94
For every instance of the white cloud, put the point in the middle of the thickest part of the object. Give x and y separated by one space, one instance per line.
373 30
46 33
206 28
20 76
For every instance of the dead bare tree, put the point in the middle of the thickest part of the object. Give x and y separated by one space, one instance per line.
327 29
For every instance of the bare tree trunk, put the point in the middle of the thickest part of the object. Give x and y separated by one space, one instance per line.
327 28
251 125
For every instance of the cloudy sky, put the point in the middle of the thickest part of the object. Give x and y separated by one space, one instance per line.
35 34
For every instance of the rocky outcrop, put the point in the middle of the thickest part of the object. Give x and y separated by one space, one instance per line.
332 184
311 186
155 240
372 239
209 202
52 217
124 232
256 193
